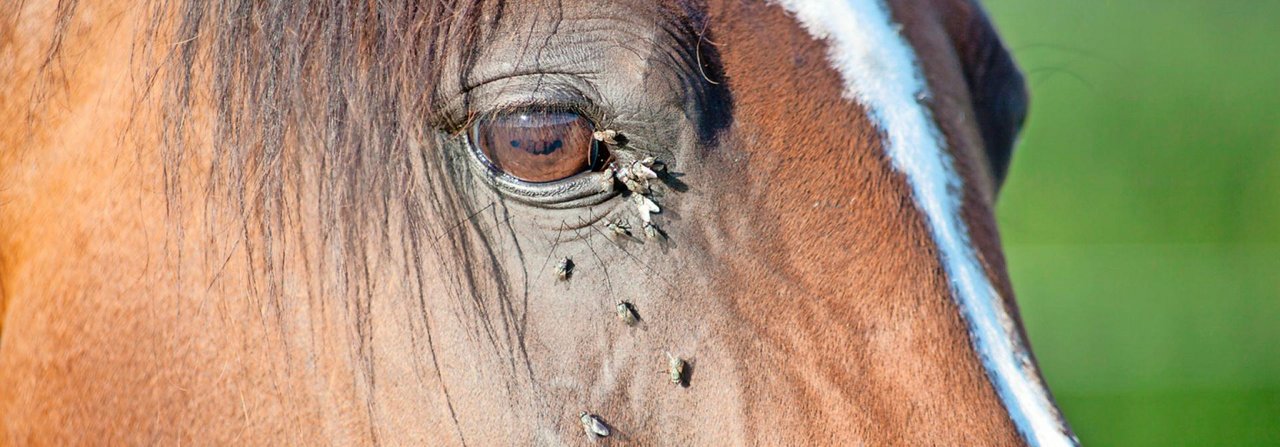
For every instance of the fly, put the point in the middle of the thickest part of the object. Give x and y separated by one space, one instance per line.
564 269
593 425
619 229
675 369
627 313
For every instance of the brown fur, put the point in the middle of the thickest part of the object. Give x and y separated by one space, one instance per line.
215 229
854 238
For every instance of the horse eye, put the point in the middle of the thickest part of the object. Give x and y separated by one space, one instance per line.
537 146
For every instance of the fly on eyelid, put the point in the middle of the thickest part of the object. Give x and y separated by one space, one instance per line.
606 136
651 230
636 175
646 207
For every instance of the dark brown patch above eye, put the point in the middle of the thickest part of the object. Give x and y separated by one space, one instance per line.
537 146
996 85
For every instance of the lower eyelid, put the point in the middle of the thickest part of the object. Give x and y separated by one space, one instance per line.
540 90
574 192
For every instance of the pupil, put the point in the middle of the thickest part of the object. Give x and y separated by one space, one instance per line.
551 148
532 147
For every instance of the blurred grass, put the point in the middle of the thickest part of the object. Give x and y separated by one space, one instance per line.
1142 215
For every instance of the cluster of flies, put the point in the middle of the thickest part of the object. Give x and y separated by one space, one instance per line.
637 175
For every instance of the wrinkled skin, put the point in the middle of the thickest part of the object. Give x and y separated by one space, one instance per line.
796 276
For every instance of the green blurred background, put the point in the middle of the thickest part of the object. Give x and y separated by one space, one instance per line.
1141 217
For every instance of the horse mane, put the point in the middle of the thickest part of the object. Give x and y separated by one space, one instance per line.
316 112
301 138
345 86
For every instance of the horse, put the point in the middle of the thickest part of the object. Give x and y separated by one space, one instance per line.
482 222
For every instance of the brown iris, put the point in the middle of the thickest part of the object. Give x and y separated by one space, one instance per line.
537 146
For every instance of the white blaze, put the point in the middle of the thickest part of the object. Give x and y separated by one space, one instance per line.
881 73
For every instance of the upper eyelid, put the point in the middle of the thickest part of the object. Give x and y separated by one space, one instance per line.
586 110
524 74
545 91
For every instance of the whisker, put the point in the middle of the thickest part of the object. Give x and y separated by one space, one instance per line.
464 220
608 282
648 268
